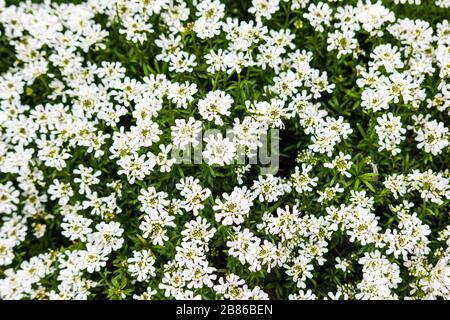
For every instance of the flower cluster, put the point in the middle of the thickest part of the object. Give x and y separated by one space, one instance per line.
109 188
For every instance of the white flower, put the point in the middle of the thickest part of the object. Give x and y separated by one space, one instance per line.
9 198
162 159
186 132
141 265
87 178
318 15
215 105
136 166
108 236
301 181
93 258
61 191
234 207
341 163
433 137
154 226
264 8
390 133
76 227
182 62
219 151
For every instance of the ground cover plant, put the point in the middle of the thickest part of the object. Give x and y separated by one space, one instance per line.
264 149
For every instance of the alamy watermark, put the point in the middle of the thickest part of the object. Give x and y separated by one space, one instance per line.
263 152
